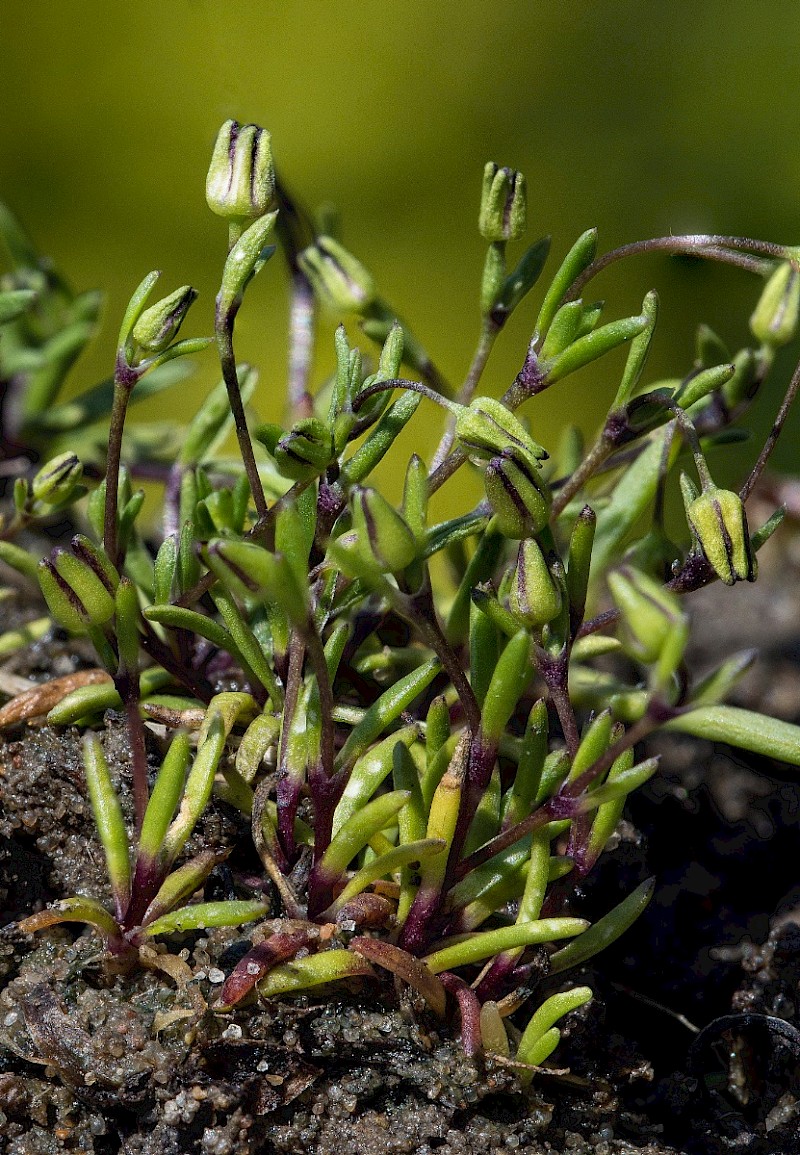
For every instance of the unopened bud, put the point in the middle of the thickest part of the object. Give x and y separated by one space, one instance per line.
381 532
241 178
159 325
718 521
534 596
520 498
56 481
78 589
774 320
337 277
487 428
503 204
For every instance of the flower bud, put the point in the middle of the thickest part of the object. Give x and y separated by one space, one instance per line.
719 523
774 320
56 481
487 427
534 596
337 276
241 178
381 532
305 451
520 498
650 613
503 204
158 326
77 589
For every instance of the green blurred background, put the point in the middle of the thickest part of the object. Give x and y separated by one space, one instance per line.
641 118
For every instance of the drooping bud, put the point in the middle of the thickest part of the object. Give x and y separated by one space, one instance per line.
487 427
337 277
381 531
718 522
250 571
57 480
519 497
503 204
158 326
774 320
305 451
241 178
534 597
650 613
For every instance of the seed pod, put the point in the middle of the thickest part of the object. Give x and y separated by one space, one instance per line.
305 451
381 532
487 427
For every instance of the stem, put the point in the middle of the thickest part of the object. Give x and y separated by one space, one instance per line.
597 455
555 674
420 612
774 434
316 654
558 806
224 333
125 378
289 782
295 232
489 332
402 383
707 246
302 318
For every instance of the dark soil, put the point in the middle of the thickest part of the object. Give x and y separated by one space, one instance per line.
141 1064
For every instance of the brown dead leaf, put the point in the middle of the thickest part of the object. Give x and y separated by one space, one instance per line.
40 700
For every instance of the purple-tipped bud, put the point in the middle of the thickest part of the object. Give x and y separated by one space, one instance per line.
159 325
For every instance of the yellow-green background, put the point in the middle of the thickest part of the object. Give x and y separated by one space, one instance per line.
639 117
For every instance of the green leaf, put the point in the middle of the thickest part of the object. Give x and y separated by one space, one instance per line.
605 931
108 818
577 259
205 915
481 946
743 728
369 772
359 828
386 710
593 345
14 303
330 966
538 1039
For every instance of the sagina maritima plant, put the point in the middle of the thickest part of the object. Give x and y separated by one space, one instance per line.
430 769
